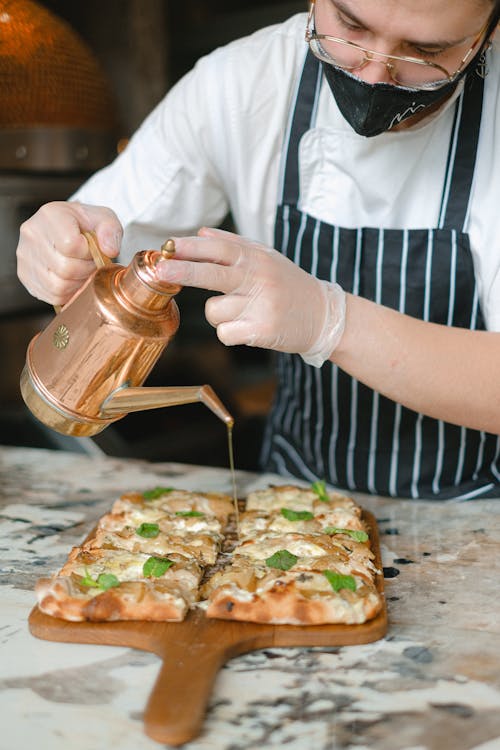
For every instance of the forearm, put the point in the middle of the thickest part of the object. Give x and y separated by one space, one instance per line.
446 373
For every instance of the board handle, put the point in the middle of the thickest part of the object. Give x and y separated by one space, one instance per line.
177 704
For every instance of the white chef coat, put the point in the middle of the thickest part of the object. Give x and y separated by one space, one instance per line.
214 143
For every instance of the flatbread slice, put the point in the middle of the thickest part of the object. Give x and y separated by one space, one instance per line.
172 500
294 598
354 554
200 547
298 498
283 520
106 585
177 523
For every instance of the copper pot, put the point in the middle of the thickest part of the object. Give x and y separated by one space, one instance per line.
86 369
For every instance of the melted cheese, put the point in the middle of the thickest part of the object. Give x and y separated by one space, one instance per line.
276 498
266 547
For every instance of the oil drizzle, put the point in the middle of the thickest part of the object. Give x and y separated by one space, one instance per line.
233 475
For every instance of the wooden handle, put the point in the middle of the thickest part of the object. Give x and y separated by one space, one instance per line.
99 258
177 705
194 650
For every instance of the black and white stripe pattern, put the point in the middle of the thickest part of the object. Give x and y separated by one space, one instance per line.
325 424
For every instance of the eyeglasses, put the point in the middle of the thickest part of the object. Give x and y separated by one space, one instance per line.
411 72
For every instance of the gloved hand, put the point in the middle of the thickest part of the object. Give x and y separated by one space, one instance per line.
53 259
267 300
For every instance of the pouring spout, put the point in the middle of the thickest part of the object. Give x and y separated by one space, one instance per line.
127 400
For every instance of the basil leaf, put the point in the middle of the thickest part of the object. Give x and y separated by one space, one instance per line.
320 489
87 580
107 581
282 560
339 582
156 566
296 515
104 581
156 493
358 536
189 513
148 530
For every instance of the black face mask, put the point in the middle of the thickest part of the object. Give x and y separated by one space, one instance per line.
373 108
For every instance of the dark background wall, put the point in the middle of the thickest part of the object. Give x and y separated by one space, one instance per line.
146 45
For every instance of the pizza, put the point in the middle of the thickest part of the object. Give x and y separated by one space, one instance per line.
303 558
143 561
293 555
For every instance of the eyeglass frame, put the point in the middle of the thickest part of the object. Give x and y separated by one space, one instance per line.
311 35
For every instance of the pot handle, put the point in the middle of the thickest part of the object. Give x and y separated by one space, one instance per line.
99 258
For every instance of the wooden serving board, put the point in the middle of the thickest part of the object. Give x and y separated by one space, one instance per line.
193 651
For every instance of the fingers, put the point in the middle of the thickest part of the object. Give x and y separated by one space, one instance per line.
209 276
219 234
106 225
224 309
235 322
237 332
223 250
218 261
205 263
53 255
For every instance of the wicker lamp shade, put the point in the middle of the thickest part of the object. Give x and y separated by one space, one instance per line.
48 75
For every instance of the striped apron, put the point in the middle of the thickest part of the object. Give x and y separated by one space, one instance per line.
324 424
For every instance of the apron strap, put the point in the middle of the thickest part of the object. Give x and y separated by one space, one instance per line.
303 114
462 155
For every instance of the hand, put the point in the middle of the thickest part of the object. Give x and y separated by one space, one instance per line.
53 259
266 301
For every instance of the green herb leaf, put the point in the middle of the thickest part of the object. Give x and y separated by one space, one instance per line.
339 582
156 566
148 530
156 492
358 536
282 560
320 489
296 515
104 581
189 513
107 581
87 580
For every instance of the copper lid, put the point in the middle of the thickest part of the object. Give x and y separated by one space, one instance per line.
139 284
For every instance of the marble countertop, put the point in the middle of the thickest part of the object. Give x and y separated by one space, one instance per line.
433 683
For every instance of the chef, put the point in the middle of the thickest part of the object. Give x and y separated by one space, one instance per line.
358 150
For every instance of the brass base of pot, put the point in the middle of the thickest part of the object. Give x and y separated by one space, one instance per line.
52 416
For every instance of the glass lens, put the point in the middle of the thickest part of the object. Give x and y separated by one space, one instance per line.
343 55
415 75
404 72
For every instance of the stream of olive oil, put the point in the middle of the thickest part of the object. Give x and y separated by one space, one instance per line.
233 475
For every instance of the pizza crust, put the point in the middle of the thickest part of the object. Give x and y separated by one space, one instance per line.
283 602
166 597
132 600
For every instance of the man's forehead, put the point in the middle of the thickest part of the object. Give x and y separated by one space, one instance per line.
428 21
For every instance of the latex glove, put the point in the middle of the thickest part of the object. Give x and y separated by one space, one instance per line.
266 301
53 259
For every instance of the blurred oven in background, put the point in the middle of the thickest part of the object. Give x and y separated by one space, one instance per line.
81 77
58 124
